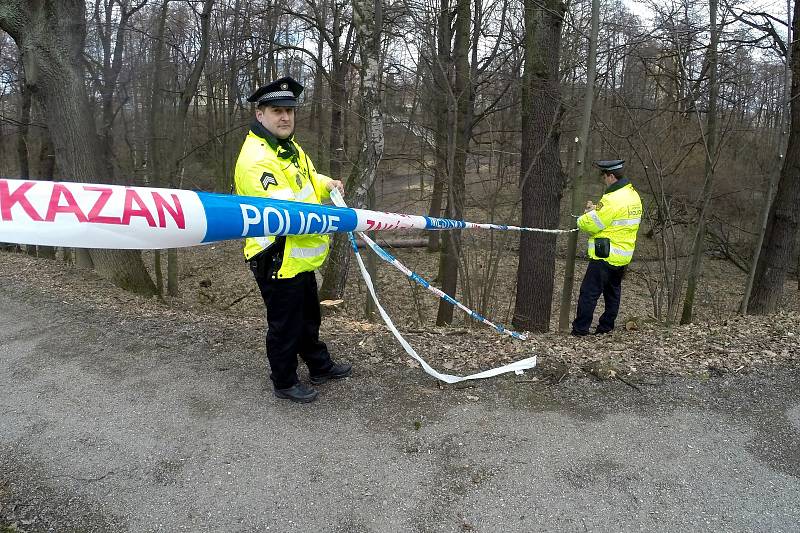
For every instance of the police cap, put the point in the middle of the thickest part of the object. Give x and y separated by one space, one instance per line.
610 164
279 93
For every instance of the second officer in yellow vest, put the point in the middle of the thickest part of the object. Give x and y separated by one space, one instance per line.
612 225
271 164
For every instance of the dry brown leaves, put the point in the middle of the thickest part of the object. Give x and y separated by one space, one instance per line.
218 292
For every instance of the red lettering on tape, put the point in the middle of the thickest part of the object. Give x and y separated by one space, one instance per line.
8 199
176 211
99 204
129 212
62 201
55 206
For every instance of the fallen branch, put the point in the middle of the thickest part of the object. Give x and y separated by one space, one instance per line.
239 299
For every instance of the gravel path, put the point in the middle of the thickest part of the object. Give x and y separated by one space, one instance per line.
118 422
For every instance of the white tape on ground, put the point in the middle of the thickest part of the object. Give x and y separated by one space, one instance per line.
518 366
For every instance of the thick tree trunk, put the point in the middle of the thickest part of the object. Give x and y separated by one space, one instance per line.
50 39
541 179
778 250
785 125
368 19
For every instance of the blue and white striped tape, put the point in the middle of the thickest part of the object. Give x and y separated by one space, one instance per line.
518 366
113 216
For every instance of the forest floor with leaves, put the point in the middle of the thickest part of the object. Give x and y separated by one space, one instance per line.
217 290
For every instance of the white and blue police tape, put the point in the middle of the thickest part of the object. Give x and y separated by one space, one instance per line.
113 216
518 366
392 260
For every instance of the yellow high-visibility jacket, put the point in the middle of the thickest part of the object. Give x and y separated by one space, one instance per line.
281 170
616 217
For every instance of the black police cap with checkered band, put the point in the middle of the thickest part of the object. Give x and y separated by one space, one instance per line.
280 93
610 164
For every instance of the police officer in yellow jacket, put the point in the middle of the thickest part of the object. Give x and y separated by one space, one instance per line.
612 225
272 165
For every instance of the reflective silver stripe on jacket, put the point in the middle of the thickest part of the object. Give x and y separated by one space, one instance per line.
264 241
303 194
282 194
309 252
619 251
626 222
594 216
614 250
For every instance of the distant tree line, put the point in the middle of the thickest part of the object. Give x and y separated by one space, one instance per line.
483 101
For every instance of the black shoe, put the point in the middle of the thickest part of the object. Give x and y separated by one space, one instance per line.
337 371
602 332
297 393
576 333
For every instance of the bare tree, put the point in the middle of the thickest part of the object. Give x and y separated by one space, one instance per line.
367 19
541 179
710 146
780 240
580 172
441 67
50 37
112 24
785 125
460 133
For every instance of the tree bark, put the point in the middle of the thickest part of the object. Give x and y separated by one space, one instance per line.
341 57
23 139
541 179
778 250
316 110
338 97
50 37
24 128
764 216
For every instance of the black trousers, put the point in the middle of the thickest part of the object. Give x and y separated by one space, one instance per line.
293 320
600 278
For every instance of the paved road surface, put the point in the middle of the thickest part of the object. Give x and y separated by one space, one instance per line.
111 424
